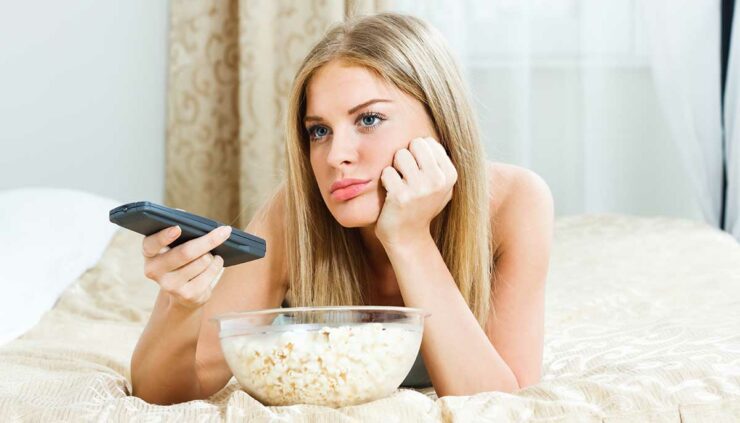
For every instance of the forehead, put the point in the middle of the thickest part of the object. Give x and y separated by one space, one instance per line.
341 85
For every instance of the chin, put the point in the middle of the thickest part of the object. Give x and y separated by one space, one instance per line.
355 213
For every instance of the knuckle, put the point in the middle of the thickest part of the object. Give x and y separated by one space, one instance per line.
438 180
213 242
149 270
196 297
145 250
414 145
187 295
163 243
187 252
168 285
200 299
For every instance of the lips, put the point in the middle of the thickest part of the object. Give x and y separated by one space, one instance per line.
346 189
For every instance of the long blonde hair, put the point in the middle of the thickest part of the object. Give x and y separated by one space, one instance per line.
327 264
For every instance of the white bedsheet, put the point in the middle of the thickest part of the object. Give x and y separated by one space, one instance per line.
642 324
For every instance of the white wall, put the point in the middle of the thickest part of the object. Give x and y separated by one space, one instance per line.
82 96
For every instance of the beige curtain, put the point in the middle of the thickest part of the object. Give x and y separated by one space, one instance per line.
231 64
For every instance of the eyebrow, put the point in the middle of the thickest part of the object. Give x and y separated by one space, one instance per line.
350 111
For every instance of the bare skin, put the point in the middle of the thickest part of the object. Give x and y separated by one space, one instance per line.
179 358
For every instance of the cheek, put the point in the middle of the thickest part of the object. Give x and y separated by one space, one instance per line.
397 138
383 147
316 167
314 155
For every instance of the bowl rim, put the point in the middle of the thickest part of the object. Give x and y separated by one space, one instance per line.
239 314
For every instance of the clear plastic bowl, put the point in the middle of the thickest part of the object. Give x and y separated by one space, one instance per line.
330 356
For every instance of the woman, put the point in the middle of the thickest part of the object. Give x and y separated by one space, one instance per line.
388 201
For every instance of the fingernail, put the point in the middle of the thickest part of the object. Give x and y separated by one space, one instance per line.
225 230
172 232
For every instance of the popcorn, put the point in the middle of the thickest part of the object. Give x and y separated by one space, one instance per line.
331 366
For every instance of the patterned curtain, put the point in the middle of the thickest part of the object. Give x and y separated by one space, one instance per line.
231 63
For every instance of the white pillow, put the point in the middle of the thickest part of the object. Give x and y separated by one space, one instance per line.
48 238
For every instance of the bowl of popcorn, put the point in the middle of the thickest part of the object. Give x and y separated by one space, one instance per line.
329 356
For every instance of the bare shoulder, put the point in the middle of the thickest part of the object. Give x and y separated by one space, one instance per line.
519 196
272 211
508 182
269 223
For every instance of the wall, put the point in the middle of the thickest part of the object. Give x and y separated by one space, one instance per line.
83 87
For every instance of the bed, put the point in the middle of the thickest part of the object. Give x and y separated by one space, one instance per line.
642 324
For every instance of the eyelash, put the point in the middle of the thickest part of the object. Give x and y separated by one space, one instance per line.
380 118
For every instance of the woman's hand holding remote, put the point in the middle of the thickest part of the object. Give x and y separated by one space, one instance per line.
187 272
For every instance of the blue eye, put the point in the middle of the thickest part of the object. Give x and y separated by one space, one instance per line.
317 131
370 119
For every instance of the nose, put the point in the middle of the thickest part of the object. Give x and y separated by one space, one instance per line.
343 149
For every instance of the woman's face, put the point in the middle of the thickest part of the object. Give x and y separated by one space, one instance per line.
356 122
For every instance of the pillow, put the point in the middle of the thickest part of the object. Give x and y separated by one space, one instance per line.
48 238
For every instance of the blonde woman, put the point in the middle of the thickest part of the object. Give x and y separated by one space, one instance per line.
388 201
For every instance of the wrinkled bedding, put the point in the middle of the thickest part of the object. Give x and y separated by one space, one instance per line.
642 324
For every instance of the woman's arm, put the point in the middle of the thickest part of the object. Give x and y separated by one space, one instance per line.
462 358
525 227
178 357
458 356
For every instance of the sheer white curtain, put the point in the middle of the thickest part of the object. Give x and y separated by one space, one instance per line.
732 131
567 88
684 36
